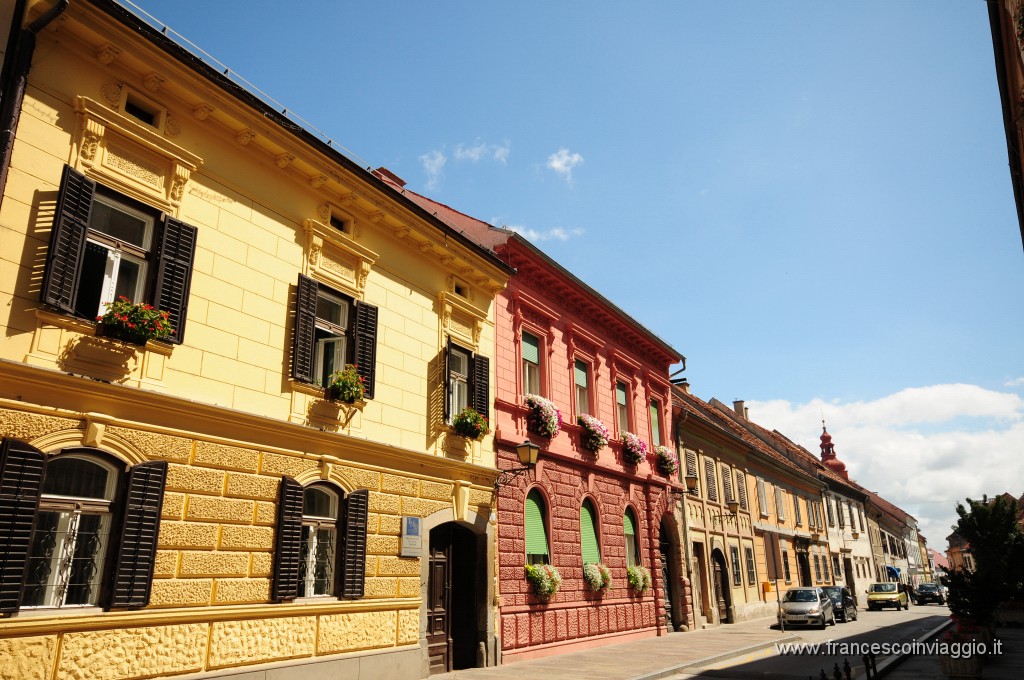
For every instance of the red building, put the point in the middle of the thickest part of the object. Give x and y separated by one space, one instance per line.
561 341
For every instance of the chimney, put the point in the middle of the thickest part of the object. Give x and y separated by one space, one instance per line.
684 385
389 177
740 409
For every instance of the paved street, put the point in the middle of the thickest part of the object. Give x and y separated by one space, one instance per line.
838 643
747 650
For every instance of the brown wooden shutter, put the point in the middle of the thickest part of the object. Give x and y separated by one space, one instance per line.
287 541
366 345
691 463
21 479
709 479
727 483
174 273
353 568
67 240
447 382
131 578
741 487
305 323
481 385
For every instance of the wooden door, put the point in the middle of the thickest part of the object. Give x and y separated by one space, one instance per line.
666 579
439 588
721 584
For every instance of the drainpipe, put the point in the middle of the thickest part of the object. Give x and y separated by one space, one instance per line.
16 78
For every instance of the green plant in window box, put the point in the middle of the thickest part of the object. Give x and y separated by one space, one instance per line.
639 578
597 575
634 449
667 461
544 578
345 386
470 423
133 322
542 416
593 433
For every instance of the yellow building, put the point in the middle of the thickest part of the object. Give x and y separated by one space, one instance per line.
754 518
197 505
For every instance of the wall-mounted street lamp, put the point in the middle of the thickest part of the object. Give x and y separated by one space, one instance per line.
720 518
527 452
691 484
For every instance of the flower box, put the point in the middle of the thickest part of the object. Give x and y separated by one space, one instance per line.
639 578
593 433
134 323
597 576
470 423
668 463
544 579
542 416
345 386
634 449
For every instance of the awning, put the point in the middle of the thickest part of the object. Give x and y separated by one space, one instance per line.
892 571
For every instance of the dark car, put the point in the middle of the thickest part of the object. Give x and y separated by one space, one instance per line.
842 602
929 592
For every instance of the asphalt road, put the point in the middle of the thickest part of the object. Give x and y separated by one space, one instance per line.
836 644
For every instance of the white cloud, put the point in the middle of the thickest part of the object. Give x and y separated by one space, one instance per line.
433 164
483 151
563 162
553 234
923 449
1015 382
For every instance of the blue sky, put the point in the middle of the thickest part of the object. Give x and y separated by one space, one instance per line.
809 200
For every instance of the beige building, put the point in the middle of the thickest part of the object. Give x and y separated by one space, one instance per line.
197 504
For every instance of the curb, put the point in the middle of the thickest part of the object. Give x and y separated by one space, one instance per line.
892 662
708 660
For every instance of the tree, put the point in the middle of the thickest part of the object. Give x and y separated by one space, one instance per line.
996 540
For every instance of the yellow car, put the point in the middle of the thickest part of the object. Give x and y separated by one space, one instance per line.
887 595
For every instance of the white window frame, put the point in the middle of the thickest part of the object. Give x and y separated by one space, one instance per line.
338 339
458 384
312 525
118 250
532 374
69 510
582 392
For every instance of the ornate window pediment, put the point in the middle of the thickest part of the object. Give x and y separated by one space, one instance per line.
132 157
335 256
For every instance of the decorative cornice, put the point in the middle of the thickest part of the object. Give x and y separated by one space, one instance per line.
246 136
107 54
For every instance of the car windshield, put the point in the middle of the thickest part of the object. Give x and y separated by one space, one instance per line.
930 587
883 587
833 592
800 596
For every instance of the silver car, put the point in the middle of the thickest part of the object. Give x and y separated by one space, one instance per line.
806 607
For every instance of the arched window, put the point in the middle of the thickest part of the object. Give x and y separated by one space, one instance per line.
72 534
588 533
86 536
629 526
536 529
319 541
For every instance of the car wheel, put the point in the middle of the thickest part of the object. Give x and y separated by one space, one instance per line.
833 618
822 625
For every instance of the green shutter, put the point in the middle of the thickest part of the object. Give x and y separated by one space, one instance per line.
629 524
531 348
655 423
536 536
620 394
581 373
588 534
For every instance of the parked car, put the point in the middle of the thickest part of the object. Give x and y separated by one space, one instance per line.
887 595
806 606
842 602
929 592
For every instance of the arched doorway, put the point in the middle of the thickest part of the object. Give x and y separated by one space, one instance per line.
667 562
721 585
452 598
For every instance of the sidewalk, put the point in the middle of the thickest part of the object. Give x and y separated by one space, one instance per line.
646 659
1009 665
